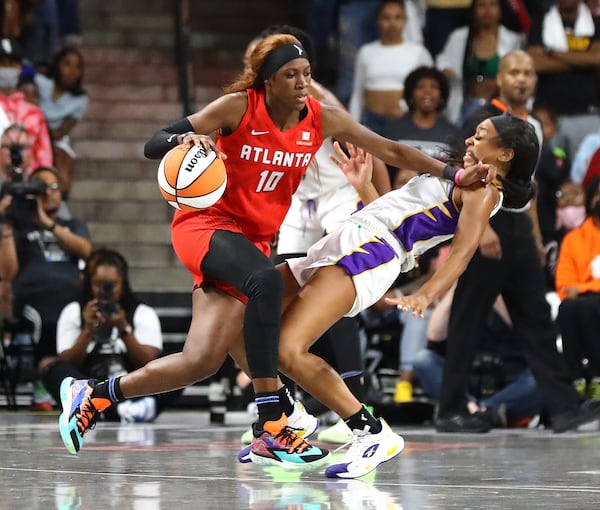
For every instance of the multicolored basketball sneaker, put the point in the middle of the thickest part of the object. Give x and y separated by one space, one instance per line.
79 411
366 452
279 445
303 423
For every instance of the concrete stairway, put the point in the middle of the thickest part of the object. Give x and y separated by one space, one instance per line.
131 78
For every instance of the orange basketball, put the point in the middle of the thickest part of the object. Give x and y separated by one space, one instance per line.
190 179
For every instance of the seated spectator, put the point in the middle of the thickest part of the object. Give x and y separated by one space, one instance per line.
40 254
106 332
16 109
64 102
565 46
377 91
425 127
570 207
471 59
578 286
503 391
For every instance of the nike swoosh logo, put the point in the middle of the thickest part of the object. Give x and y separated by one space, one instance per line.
254 132
170 138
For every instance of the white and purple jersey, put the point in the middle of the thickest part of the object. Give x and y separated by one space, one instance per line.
384 239
421 214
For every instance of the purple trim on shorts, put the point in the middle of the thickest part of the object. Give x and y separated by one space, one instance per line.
368 256
427 224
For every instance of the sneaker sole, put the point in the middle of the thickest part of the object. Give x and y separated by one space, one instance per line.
398 451
291 466
66 399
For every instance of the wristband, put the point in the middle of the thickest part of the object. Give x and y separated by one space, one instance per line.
51 227
449 172
457 176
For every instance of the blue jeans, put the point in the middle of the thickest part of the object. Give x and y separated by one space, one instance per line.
413 339
521 396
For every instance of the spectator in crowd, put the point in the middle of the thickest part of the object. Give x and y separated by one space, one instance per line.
570 208
508 263
586 162
471 59
107 332
578 286
64 102
339 28
380 70
504 391
565 46
569 213
40 254
425 126
15 109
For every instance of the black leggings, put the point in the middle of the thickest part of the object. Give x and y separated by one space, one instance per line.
233 259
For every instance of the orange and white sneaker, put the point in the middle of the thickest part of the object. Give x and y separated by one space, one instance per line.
279 445
301 421
80 411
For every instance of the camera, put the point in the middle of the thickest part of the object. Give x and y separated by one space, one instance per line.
23 208
106 305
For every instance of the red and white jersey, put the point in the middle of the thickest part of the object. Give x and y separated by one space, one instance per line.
264 167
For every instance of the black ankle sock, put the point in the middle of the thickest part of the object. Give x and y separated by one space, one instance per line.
110 389
354 381
269 407
362 420
286 400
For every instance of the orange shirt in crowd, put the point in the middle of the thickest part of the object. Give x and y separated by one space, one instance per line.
579 260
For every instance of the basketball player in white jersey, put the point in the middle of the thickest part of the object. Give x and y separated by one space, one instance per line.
349 270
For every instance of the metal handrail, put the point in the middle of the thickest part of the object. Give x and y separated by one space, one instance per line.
183 36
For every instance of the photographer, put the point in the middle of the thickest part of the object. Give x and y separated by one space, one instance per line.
107 332
39 255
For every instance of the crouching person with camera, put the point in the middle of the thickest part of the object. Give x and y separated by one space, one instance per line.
39 256
108 332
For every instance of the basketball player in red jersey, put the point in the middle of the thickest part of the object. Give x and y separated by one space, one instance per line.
268 130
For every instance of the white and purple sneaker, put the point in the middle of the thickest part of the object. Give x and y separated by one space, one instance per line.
366 452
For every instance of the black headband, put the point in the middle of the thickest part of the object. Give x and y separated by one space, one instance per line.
280 56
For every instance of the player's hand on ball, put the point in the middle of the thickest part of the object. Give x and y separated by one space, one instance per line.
191 139
416 303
